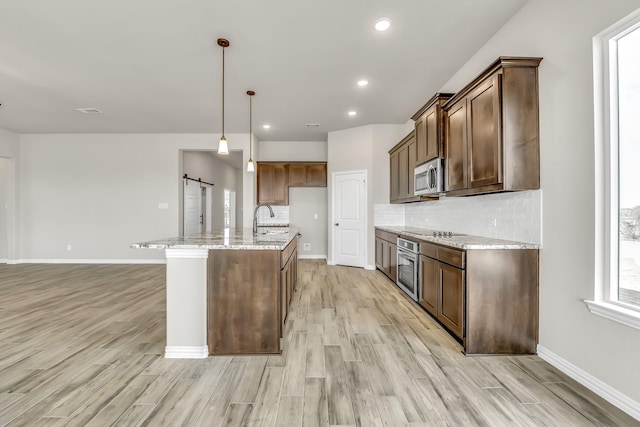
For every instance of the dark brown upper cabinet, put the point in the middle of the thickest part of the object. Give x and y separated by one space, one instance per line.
402 162
429 129
307 174
491 136
274 179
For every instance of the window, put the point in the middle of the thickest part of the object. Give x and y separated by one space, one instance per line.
617 90
229 208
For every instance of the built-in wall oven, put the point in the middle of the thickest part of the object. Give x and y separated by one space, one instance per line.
408 265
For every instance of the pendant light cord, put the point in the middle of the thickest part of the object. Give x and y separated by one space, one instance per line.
250 132
223 91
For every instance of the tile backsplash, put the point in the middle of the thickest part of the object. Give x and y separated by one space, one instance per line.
281 215
510 216
388 214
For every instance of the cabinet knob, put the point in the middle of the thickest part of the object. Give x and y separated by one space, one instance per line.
336 224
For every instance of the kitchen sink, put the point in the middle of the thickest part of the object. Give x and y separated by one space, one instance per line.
276 231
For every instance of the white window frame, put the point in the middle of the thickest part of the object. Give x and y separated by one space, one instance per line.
605 302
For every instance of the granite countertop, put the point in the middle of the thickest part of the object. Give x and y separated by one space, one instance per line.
457 240
268 238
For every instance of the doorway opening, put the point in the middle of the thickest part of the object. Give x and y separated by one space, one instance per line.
229 208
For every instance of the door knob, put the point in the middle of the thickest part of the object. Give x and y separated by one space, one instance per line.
336 224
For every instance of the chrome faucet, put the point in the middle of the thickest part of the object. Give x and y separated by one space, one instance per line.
255 215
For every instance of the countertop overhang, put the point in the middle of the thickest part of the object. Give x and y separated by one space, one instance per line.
459 241
267 238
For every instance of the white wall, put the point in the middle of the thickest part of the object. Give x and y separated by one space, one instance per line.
300 151
208 167
364 148
9 181
4 208
561 32
100 193
303 202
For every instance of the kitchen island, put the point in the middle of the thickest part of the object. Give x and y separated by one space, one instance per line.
228 292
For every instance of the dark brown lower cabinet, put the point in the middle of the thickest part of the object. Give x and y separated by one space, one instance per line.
451 304
486 298
387 253
429 285
248 297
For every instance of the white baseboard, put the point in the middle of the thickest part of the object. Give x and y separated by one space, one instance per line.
602 389
330 262
88 261
369 267
4 261
312 257
186 352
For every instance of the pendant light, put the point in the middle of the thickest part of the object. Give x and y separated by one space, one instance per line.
250 166
223 147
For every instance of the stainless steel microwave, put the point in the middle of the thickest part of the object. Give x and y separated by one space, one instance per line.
429 177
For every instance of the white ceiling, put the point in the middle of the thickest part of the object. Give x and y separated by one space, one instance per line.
153 66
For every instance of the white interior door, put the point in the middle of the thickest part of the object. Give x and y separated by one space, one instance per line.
350 218
194 215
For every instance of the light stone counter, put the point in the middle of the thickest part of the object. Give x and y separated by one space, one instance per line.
460 241
267 238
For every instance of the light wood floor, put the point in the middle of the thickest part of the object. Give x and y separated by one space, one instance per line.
82 345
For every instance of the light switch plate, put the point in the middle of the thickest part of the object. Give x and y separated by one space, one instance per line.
163 205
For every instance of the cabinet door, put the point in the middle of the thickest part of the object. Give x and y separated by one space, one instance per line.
393 177
428 297
403 171
411 147
316 175
421 138
280 185
393 261
294 271
432 135
284 303
379 252
297 175
265 183
451 308
272 184
456 147
484 137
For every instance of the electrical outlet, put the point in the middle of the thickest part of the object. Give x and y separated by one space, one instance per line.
306 246
68 247
494 222
315 216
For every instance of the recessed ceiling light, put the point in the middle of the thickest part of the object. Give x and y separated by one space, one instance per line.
89 110
383 24
266 126
362 82
352 113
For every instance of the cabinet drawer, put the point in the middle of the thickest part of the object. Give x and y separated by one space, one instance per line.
428 249
451 256
382 235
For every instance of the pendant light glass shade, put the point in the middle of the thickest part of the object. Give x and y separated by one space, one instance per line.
250 166
223 147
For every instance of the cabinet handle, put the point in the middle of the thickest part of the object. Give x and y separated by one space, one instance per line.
336 224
